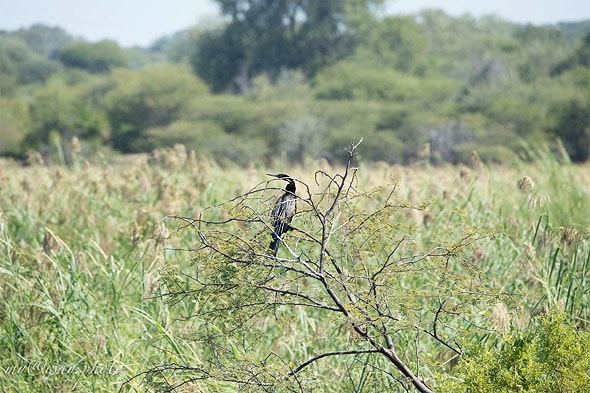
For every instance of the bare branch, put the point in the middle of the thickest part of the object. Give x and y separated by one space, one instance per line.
342 262
336 353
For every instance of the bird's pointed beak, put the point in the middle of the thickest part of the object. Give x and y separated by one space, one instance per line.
272 174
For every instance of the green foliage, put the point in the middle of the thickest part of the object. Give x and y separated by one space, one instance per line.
551 356
193 135
487 37
154 97
180 46
60 112
97 57
539 59
395 42
573 127
208 139
217 59
262 123
44 40
307 78
28 55
581 57
264 37
573 31
13 54
14 120
38 70
352 81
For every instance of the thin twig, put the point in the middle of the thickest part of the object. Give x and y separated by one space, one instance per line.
336 353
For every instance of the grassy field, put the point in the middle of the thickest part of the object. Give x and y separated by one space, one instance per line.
82 250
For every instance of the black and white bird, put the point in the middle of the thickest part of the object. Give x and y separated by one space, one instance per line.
283 211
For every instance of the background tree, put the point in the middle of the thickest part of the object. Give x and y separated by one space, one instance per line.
266 36
395 42
14 121
97 57
38 70
14 53
59 112
541 47
27 56
573 127
581 57
153 97
45 40
219 59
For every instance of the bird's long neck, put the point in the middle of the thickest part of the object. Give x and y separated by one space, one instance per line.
291 186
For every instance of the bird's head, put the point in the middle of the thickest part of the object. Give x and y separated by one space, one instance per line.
287 178
280 176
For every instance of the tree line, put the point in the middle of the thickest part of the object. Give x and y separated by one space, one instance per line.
299 79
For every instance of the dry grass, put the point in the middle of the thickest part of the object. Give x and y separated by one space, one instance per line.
81 251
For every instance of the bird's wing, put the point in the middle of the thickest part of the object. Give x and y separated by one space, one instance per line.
283 211
280 210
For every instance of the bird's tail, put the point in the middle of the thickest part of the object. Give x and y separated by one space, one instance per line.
274 244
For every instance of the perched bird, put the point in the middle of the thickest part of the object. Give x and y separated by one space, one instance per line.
283 212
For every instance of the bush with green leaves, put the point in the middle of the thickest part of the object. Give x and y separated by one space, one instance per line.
573 126
552 356
153 97
99 57
14 120
60 112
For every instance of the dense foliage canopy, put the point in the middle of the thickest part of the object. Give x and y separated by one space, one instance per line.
299 79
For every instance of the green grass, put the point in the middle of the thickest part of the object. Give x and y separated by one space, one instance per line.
82 250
